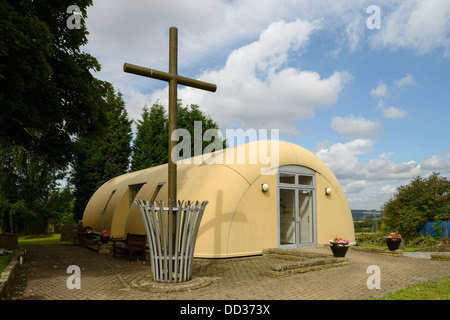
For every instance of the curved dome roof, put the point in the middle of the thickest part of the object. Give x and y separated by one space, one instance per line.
229 179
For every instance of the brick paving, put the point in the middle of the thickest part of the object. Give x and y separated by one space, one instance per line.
43 276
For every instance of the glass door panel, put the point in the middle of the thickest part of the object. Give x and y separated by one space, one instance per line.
305 214
287 217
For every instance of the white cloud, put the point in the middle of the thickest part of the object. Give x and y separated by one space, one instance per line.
136 31
393 112
355 186
379 179
407 80
382 169
380 92
136 101
342 159
367 184
439 162
414 24
321 145
355 127
354 33
387 189
258 88
372 197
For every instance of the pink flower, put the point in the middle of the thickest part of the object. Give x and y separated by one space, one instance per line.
394 235
339 240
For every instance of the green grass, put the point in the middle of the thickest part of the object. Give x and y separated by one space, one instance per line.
4 260
407 248
435 290
42 239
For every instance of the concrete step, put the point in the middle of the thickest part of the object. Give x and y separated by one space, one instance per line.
295 261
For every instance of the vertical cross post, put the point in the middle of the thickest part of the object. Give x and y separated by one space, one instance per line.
173 100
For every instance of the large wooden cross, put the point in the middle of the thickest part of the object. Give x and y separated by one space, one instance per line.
174 80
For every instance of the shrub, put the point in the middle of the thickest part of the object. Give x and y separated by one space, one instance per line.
422 200
423 241
372 238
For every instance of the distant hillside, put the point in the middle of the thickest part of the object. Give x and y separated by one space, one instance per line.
359 215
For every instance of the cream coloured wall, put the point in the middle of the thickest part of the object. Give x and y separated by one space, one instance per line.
333 213
254 224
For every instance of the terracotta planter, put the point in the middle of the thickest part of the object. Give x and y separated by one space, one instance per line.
393 243
338 249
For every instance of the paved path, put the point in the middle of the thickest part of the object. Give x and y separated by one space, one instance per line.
43 276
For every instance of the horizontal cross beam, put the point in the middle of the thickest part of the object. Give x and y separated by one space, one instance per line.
165 76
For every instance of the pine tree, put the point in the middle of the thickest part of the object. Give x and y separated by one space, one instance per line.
151 142
150 147
98 160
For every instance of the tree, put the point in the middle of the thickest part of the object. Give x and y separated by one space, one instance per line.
52 106
150 148
60 204
47 92
186 119
150 145
26 180
99 159
422 200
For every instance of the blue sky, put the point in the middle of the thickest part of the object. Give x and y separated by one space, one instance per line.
371 103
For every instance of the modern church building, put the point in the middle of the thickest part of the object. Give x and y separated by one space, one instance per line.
263 194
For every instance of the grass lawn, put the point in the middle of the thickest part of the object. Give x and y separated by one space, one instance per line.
42 239
407 248
435 290
4 260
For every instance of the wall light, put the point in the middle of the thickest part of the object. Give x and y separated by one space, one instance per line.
264 187
328 191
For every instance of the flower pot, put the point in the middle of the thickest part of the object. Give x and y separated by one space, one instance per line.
338 249
104 239
89 236
393 243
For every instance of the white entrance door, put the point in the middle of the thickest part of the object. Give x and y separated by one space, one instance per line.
288 226
305 216
296 210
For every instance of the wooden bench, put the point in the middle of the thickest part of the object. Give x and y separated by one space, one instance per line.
79 236
133 243
82 236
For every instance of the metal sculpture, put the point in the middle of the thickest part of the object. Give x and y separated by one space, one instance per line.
171 258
